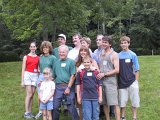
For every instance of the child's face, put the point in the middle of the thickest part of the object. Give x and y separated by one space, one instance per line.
85 44
87 63
124 45
46 75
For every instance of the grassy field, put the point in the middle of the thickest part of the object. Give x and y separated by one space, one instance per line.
12 95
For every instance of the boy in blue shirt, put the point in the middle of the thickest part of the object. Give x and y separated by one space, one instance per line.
128 78
89 91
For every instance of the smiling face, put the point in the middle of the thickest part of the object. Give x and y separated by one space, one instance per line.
124 45
61 41
63 51
33 47
76 40
87 63
45 50
84 44
106 45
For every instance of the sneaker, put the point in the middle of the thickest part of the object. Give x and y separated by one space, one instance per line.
32 116
27 116
123 118
39 115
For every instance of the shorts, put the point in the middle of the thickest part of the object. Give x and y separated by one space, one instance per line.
30 78
46 106
132 92
38 83
110 91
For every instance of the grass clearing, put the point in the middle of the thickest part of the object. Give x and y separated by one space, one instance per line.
12 95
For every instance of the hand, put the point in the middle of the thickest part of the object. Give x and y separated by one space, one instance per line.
22 84
67 91
100 76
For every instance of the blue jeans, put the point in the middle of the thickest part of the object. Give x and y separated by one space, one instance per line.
57 101
90 109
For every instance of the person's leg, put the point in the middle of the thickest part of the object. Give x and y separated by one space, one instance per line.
117 112
57 99
44 114
123 113
134 112
31 98
123 99
87 110
134 97
71 106
49 115
106 111
28 97
95 110
111 111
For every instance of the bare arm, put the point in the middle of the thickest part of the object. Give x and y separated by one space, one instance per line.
94 63
78 94
23 69
100 94
137 75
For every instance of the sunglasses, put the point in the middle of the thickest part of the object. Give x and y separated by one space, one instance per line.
45 73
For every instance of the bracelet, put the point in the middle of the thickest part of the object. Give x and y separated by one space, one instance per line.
105 74
69 87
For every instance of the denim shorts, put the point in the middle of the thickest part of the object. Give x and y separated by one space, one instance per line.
46 106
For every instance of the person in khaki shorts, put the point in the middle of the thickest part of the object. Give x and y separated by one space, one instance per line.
128 78
109 68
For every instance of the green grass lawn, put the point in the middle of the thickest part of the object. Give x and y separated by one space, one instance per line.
12 95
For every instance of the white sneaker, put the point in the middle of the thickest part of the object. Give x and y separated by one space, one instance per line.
39 115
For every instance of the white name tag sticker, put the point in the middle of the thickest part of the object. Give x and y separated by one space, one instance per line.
89 73
63 64
127 60
35 70
104 62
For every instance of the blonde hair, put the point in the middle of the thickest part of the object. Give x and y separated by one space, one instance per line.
48 71
125 38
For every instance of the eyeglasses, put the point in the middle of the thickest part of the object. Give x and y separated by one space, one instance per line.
45 73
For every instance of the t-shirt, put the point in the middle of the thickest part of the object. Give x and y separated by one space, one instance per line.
73 54
128 62
55 51
89 84
46 88
63 69
46 61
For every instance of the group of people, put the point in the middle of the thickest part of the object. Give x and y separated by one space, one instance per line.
80 79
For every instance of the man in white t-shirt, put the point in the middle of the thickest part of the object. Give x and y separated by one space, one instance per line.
73 54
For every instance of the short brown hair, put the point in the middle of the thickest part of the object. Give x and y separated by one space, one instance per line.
46 44
125 38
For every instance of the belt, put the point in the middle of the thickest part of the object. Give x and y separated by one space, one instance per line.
62 84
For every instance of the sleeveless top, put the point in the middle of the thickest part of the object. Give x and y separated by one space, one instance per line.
106 64
32 64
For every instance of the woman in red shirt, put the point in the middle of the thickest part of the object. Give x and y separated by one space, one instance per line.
29 77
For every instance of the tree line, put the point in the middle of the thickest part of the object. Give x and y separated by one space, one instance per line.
24 20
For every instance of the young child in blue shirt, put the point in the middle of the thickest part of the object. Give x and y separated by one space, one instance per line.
89 91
